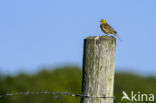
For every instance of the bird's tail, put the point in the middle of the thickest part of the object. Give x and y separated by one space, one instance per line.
117 36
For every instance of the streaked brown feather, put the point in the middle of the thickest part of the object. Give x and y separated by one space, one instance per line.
107 26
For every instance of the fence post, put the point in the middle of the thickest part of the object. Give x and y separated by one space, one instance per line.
98 69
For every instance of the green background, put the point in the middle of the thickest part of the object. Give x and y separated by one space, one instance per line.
67 79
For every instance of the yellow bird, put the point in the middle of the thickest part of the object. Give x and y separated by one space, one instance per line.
107 29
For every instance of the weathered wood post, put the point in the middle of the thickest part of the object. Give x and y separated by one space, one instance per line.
98 69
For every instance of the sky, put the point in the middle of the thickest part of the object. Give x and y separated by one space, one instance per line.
50 33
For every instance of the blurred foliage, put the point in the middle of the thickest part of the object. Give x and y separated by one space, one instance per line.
67 79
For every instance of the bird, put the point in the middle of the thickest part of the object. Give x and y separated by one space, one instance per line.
107 29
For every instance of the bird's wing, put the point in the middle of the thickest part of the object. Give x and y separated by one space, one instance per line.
110 28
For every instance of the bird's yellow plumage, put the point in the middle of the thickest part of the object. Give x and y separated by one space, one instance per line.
107 29
103 21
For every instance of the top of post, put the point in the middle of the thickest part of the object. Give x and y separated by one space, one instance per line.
101 37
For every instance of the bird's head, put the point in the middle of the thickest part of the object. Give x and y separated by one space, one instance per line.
103 21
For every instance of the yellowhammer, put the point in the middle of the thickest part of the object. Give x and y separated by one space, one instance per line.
106 28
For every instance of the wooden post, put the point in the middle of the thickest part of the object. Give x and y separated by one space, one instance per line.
98 69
